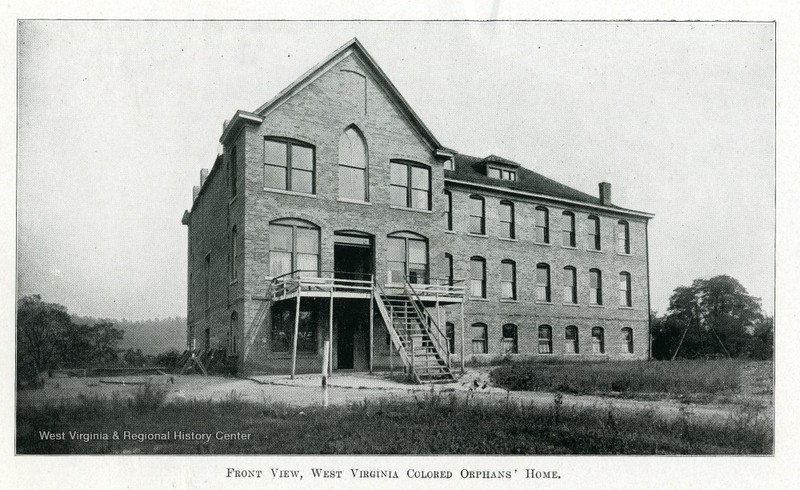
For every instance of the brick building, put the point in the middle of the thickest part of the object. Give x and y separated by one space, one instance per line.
335 214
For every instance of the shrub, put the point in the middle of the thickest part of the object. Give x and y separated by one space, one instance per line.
148 398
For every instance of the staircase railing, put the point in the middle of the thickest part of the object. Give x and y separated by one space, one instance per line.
428 320
387 312
258 319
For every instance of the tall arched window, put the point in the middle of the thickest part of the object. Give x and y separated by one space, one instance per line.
542 224
408 258
625 289
593 233
232 329
293 246
477 215
623 237
508 279
595 287
543 282
477 277
571 340
568 229
507 227
545 339
598 340
353 173
627 340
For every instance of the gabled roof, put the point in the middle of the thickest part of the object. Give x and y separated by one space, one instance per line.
468 169
355 47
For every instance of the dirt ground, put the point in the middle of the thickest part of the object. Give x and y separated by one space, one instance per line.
343 388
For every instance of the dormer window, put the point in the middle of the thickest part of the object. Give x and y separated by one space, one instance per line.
501 173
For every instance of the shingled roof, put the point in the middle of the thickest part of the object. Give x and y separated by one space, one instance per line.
471 169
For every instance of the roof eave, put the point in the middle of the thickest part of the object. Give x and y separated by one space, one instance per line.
237 121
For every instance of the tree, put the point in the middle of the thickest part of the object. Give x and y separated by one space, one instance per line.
714 316
40 329
105 339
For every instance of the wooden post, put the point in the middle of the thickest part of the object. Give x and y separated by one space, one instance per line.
371 330
411 339
462 336
296 330
330 333
391 361
326 347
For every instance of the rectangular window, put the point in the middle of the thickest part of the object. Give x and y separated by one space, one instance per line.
568 229
570 289
477 275
448 212
543 283
627 340
598 341
283 329
571 340
233 171
507 220
407 257
293 248
508 280
625 289
477 215
498 173
510 339
595 287
288 166
542 225
479 337
410 186
593 233
623 237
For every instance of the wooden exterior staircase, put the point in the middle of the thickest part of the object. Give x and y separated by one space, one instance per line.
421 344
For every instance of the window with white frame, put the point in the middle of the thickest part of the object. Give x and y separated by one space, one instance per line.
477 276
598 340
410 185
625 289
507 227
293 246
477 215
623 237
407 258
508 279
479 338
627 340
545 339
510 345
571 340
543 282
289 165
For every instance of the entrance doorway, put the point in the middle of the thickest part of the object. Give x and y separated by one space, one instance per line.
353 255
353 259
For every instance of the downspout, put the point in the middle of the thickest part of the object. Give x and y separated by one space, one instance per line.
649 310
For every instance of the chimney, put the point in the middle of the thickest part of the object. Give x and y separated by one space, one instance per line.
203 176
195 192
605 193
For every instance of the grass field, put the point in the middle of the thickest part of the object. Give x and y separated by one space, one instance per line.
429 424
673 378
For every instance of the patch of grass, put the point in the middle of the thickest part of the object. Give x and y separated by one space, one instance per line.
431 423
676 378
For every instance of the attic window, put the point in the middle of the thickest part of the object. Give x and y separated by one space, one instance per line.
500 173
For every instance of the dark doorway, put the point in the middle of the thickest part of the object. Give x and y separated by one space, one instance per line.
352 255
351 320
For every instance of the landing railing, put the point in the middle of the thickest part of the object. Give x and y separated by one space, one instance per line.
321 282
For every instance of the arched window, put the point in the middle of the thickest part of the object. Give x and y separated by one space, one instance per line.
289 165
543 282
293 246
593 233
477 276
571 340
598 340
408 258
411 185
627 340
232 329
507 226
568 229
510 339
477 215
625 289
234 254
448 196
353 173
450 333
479 337
545 339
542 224
623 237
570 285
595 287
508 279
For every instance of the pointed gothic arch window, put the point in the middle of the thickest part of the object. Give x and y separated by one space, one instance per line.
353 174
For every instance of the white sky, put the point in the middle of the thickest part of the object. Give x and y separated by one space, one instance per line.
117 118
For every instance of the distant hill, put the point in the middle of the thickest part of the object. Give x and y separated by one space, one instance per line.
152 336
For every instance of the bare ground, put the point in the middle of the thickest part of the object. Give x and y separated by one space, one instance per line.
756 393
